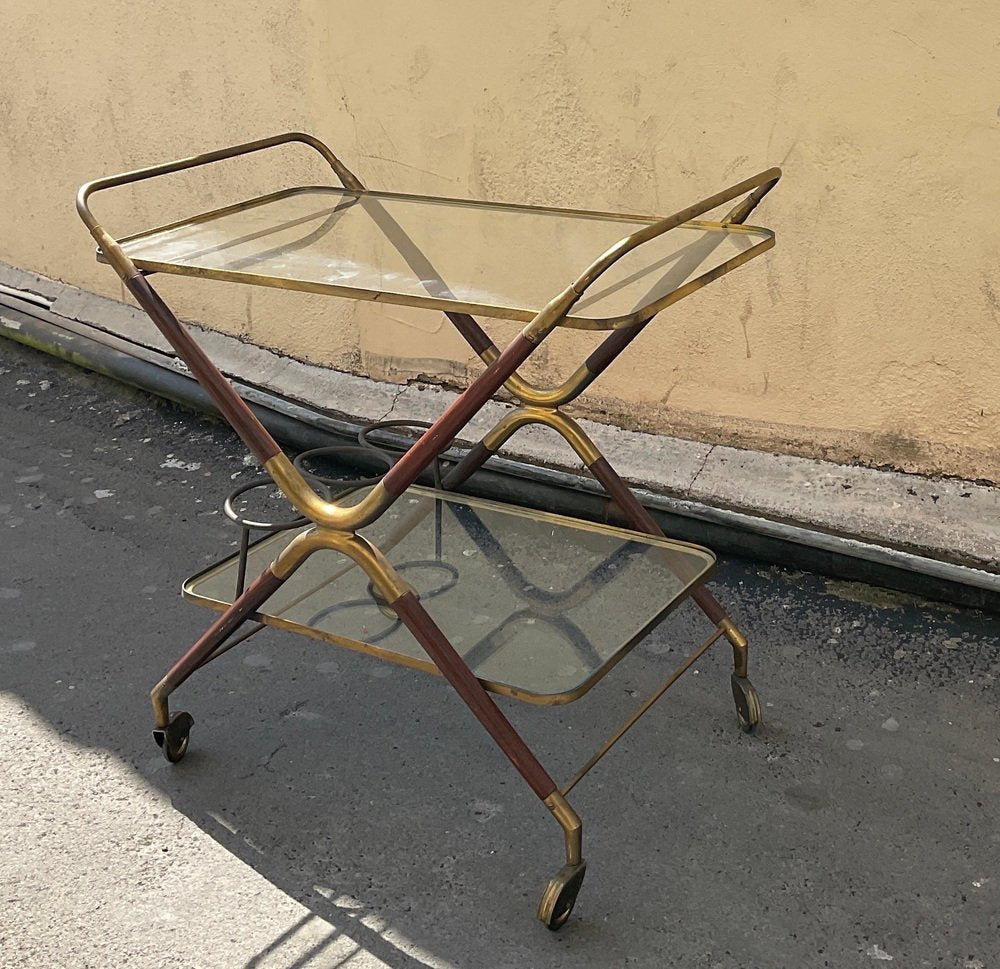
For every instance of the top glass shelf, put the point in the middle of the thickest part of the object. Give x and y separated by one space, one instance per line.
489 259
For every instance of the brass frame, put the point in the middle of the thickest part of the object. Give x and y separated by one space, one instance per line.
446 305
335 525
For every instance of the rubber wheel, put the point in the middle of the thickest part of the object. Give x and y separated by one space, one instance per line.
747 703
559 896
173 739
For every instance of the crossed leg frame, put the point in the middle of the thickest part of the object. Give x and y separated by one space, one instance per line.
335 527
535 407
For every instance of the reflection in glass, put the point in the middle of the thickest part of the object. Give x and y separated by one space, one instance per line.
536 604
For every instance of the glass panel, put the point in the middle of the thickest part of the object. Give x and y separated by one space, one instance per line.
498 260
537 603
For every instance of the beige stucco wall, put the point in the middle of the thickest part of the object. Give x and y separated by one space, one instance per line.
872 331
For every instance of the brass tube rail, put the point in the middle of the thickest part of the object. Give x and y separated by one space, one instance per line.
569 297
617 341
347 178
628 724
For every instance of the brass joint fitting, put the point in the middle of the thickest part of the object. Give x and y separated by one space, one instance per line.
161 710
571 824
114 253
740 646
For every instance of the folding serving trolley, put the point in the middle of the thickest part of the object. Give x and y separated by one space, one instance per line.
495 598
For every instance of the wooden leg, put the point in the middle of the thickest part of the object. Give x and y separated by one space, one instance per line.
253 596
471 462
560 894
426 632
642 521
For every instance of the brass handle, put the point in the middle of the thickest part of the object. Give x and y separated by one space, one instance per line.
762 183
109 246
757 187
741 213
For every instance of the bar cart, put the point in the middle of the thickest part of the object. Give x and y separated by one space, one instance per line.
495 598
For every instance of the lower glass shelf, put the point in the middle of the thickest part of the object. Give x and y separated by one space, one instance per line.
540 606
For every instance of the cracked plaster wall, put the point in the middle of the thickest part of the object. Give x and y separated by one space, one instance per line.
872 331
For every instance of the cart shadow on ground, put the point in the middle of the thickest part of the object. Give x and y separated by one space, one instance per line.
854 824
861 822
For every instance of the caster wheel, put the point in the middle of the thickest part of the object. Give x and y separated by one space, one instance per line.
173 739
560 896
747 703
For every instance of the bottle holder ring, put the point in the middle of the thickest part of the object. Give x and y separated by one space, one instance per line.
340 486
364 439
244 521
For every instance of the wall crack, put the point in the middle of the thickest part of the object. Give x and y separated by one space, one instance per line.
395 400
701 468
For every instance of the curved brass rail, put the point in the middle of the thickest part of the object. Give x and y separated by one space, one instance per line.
110 247
613 344
560 306
568 428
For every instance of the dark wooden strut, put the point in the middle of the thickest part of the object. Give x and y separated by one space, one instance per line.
604 354
471 462
458 674
230 404
474 334
642 521
599 360
255 594
442 432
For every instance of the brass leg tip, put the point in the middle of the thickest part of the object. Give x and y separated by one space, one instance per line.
571 824
740 646
161 709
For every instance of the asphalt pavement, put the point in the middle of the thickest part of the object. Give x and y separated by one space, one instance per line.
338 811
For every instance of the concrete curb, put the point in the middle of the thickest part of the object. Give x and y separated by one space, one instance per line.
788 538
